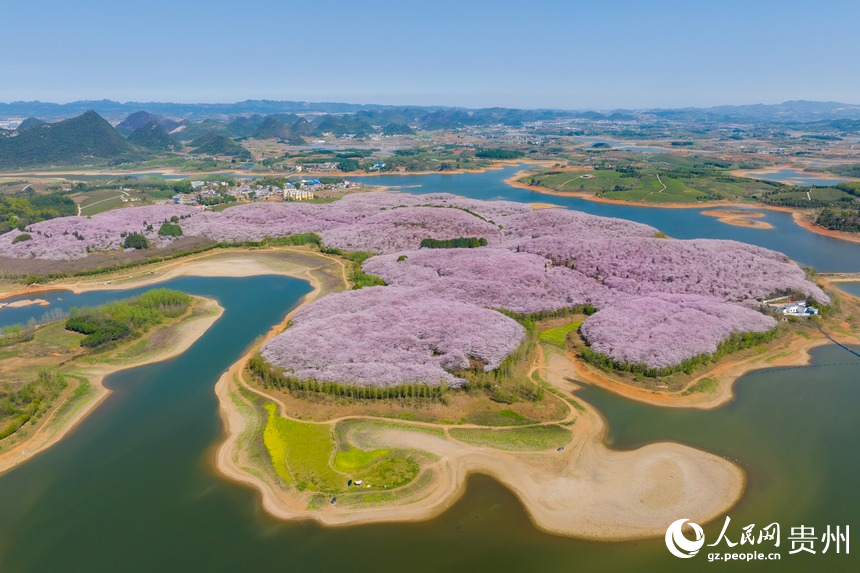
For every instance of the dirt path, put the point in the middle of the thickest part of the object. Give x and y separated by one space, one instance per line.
583 490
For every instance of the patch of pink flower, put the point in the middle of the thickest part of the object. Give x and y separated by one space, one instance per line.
662 330
383 336
405 228
68 238
490 277
728 270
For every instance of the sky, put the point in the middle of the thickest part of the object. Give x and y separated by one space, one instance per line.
568 54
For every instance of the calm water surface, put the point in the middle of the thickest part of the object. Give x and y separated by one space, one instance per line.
133 489
796 177
824 253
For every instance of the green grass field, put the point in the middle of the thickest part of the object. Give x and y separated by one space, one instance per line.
558 336
658 179
389 469
818 193
308 457
532 438
300 452
55 334
100 200
705 386
497 418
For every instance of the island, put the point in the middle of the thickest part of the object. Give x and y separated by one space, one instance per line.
447 336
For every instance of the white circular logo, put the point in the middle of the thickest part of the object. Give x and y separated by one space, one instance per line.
679 545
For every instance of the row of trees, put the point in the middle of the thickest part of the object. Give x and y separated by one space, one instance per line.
273 377
458 243
735 342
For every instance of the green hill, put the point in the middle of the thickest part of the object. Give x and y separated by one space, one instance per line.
84 139
152 136
397 129
196 130
215 144
274 128
302 127
244 126
139 119
344 125
29 123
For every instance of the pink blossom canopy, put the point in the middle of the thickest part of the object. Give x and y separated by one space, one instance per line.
382 336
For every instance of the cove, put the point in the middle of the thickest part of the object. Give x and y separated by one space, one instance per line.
133 488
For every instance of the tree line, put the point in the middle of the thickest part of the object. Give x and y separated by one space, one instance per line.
273 377
119 320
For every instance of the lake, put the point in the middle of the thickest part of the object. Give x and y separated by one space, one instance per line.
826 254
133 487
795 177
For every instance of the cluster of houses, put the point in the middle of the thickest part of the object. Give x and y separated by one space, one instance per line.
302 190
791 308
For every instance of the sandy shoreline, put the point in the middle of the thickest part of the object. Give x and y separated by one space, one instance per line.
795 353
755 173
797 215
187 333
586 491
739 218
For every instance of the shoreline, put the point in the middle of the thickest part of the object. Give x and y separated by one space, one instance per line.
188 331
569 493
796 214
796 353
581 512
739 218
755 173
788 353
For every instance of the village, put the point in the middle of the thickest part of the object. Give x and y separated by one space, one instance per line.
207 194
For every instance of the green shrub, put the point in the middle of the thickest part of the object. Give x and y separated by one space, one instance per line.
135 241
170 230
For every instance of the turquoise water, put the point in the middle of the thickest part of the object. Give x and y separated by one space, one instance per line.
824 253
133 488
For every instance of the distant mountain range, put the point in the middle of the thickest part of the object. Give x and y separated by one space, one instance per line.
790 111
88 138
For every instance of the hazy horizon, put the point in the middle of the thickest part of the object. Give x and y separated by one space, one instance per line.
618 54
378 103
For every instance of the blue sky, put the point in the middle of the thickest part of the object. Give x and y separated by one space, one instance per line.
572 54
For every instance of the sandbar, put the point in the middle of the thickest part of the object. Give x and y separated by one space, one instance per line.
739 218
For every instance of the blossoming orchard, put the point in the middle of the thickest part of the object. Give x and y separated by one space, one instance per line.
659 302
